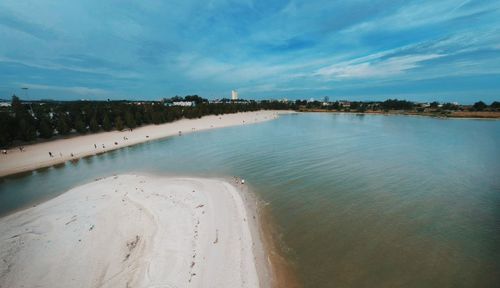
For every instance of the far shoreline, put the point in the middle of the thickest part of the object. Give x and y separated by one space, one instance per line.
394 113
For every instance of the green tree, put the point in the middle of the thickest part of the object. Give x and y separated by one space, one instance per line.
434 104
46 130
106 124
450 106
7 129
157 119
479 106
138 118
395 104
27 130
130 120
80 126
62 125
119 123
94 126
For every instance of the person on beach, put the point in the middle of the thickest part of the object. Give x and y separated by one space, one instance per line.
95 146
103 147
50 154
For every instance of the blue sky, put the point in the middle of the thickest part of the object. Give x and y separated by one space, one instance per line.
446 50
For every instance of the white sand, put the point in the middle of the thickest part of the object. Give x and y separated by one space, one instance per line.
37 155
135 231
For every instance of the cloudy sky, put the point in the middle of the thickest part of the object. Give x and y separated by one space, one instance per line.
445 50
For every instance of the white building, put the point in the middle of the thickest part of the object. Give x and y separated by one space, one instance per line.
184 103
234 95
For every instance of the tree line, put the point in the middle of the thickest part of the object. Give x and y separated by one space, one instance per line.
390 105
24 121
28 121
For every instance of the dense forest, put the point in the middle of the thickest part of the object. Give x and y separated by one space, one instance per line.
24 121
27 121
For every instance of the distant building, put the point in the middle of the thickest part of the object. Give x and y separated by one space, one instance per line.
234 95
5 104
184 103
345 104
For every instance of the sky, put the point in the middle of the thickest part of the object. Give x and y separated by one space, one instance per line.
444 50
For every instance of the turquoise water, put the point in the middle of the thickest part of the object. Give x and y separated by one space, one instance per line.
360 201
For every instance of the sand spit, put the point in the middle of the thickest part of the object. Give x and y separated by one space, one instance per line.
37 155
135 231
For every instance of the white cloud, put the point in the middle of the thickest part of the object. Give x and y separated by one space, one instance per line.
281 88
53 65
422 13
365 68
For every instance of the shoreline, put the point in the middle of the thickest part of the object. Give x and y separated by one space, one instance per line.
281 272
130 229
436 116
37 156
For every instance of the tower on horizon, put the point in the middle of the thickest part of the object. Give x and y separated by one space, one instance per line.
234 95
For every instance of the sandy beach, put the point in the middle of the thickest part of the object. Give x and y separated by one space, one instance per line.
37 155
136 231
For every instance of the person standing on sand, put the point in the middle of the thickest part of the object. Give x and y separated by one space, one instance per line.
95 146
50 154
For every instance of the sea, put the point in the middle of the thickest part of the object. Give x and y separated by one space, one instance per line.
357 200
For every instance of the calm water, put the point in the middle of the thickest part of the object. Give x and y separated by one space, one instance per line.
361 201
